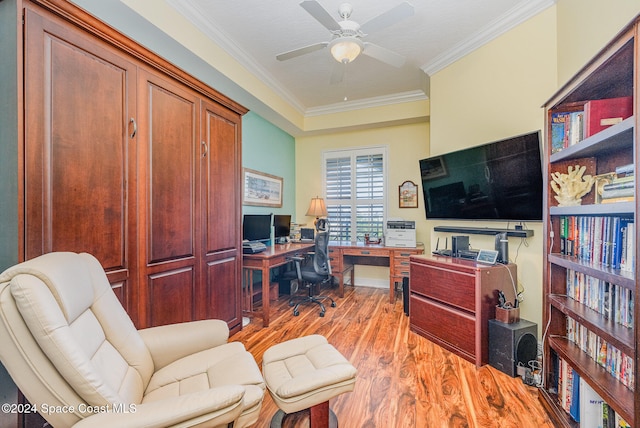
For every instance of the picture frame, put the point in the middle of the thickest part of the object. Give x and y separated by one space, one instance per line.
261 189
408 195
433 168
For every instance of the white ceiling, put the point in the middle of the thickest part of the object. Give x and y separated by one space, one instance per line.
439 33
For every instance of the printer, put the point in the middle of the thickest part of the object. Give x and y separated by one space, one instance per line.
400 233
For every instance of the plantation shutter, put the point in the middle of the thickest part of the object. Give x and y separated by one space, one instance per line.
355 193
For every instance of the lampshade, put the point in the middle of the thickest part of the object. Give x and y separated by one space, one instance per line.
345 49
317 208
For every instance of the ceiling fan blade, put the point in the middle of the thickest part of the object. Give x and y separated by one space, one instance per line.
301 51
337 74
383 54
321 15
390 17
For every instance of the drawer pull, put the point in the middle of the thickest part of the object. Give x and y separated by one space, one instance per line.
404 263
365 252
405 254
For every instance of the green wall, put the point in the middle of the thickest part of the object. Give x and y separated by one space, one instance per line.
266 148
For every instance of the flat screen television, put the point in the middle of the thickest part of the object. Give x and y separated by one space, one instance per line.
497 181
281 225
256 227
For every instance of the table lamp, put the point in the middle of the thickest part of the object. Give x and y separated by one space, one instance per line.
317 209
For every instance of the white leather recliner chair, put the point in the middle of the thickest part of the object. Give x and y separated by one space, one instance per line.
73 351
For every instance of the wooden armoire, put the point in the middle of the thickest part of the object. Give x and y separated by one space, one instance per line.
127 157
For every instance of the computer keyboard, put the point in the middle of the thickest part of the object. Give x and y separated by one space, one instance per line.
252 247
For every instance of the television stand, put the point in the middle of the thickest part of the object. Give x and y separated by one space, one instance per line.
518 233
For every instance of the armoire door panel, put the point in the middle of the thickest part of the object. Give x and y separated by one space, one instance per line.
79 160
222 176
223 294
171 186
171 296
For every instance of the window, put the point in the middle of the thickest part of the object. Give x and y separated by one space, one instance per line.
355 192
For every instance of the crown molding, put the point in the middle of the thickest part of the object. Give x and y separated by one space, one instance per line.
506 22
342 107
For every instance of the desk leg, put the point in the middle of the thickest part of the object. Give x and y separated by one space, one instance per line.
266 282
392 290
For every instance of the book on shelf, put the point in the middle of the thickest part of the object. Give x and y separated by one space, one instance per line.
617 363
621 183
617 193
567 129
600 114
576 397
625 169
591 407
614 302
603 240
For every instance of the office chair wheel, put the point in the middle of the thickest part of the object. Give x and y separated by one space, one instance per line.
296 313
322 314
333 304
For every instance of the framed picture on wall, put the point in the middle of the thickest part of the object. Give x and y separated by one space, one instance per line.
408 194
261 189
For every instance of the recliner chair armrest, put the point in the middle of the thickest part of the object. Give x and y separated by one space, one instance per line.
168 343
221 405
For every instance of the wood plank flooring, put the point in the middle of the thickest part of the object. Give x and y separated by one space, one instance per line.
403 379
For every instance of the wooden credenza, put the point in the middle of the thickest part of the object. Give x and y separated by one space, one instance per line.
131 159
452 300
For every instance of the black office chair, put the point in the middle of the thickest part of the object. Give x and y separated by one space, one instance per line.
313 273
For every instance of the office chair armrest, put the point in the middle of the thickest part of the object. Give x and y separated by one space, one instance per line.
168 343
297 258
221 405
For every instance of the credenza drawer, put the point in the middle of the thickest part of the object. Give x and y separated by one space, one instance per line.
452 329
445 285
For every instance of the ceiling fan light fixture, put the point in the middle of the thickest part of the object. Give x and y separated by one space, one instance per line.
345 49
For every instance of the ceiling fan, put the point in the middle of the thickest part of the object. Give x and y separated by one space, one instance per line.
346 43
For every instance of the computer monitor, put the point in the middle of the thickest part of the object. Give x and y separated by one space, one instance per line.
256 227
282 225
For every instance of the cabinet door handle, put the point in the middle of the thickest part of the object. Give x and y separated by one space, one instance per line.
205 149
134 131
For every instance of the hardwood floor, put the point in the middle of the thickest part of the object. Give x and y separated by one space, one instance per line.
403 379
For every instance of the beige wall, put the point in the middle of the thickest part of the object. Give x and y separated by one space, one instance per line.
494 93
497 92
585 27
406 145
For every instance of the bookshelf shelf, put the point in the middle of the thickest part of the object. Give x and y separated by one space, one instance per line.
613 392
608 274
615 334
616 137
588 239
620 208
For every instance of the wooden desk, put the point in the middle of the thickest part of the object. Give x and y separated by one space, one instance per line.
273 256
344 255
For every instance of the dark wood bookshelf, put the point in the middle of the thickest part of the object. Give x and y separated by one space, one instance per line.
610 74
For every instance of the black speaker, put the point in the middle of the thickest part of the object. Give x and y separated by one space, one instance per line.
502 247
459 243
512 344
405 294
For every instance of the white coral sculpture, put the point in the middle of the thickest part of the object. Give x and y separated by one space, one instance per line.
571 187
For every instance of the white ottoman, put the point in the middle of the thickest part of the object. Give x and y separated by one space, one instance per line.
304 373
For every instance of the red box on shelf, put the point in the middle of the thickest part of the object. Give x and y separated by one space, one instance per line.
600 114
